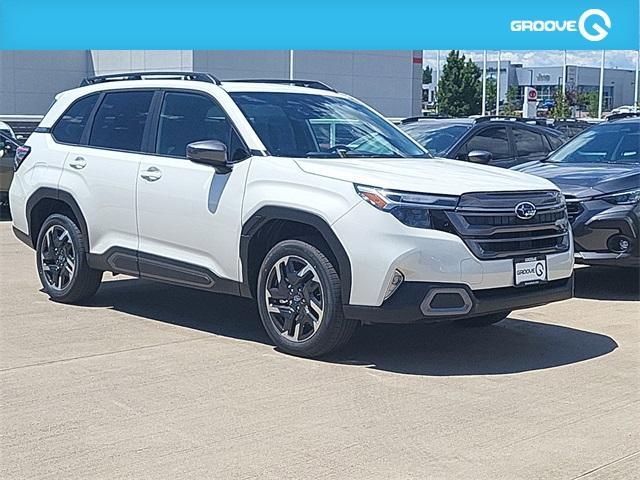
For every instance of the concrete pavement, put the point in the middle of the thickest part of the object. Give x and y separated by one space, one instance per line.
156 381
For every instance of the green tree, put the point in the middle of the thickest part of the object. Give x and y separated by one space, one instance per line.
460 88
561 107
491 94
589 101
427 74
511 104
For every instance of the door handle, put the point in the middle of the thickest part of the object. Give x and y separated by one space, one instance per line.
151 174
78 163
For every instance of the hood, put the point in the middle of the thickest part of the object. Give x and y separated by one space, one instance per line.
586 179
424 175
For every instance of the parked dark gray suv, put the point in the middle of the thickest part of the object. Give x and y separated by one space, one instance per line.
598 171
498 141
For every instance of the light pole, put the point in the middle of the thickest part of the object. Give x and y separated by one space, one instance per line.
601 88
290 64
484 83
564 75
437 80
498 85
635 92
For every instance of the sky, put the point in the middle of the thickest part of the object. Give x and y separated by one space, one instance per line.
625 59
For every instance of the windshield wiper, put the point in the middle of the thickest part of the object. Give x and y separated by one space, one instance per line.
372 155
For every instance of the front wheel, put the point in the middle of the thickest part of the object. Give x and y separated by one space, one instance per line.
483 321
62 261
299 300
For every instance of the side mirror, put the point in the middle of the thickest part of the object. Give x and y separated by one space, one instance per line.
209 152
479 156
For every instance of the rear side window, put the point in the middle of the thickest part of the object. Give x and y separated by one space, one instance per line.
529 143
120 120
70 127
493 140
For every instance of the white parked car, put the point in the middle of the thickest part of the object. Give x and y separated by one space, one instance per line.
303 198
623 109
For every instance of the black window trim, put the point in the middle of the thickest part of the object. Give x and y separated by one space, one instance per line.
148 135
155 122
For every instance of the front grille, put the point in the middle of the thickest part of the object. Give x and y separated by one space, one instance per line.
488 224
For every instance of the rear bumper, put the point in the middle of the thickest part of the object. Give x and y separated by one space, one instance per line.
413 301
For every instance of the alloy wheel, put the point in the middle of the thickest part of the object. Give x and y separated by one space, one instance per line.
294 298
57 257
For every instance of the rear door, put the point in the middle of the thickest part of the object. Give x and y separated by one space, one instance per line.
101 171
530 144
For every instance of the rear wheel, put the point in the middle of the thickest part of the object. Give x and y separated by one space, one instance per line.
299 299
62 261
484 320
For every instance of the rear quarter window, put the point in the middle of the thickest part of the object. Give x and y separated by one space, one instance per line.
69 128
555 142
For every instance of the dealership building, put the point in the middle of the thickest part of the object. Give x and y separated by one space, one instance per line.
390 80
618 89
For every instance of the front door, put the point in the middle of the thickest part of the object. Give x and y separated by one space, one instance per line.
189 215
495 140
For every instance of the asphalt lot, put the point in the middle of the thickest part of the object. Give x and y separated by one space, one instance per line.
154 381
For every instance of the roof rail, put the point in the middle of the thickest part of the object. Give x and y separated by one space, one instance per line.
114 77
507 118
295 82
568 120
424 117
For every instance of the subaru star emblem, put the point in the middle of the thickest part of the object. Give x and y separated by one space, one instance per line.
525 210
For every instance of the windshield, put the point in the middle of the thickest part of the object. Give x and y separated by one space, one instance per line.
436 138
305 125
602 144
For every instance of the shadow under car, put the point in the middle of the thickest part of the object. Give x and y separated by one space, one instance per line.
511 346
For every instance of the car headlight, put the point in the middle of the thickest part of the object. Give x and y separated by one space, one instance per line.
627 197
412 209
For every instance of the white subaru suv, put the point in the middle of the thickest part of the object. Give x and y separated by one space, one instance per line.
285 191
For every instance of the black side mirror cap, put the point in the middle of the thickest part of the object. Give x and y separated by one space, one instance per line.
479 156
209 152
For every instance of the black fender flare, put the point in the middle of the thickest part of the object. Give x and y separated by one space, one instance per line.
43 193
268 213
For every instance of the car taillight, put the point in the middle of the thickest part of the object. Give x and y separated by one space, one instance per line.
22 152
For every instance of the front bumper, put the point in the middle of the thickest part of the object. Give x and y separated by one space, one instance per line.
378 244
596 226
418 302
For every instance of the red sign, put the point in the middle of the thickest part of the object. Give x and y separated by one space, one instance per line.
532 95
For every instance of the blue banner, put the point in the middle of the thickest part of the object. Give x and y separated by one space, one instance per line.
330 24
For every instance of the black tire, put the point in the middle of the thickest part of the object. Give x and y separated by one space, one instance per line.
334 329
83 283
483 321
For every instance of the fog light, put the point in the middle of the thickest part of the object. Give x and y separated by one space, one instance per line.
395 282
619 244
